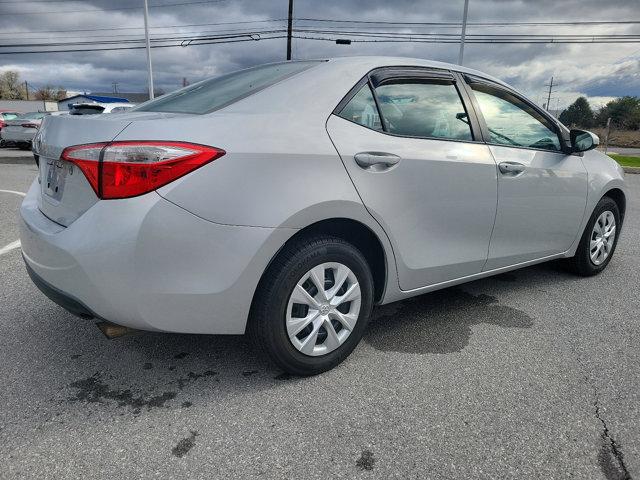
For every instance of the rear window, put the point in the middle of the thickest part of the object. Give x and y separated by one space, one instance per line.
218 92
86 110
31 116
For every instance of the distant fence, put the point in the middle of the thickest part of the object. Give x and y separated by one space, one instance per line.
25 106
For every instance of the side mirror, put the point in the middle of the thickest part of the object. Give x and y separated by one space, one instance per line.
582 140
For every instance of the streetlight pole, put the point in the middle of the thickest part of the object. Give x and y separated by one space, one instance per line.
464 32
148 43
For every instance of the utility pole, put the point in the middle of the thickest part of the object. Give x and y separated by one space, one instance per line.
549 95
464 32
26 89
289 29
148 43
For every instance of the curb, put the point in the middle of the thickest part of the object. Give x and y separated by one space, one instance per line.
631 169
17 161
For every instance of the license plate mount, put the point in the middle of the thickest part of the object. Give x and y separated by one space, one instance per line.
55 174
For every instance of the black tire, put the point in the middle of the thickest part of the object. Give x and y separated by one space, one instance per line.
267 325
581 263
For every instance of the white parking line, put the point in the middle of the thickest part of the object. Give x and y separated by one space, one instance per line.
13 191
11 246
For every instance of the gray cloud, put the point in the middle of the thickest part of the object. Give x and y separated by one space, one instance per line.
591 69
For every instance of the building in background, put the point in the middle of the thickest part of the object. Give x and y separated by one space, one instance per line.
102 98
24 106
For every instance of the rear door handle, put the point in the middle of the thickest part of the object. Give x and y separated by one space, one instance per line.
376 160
511 168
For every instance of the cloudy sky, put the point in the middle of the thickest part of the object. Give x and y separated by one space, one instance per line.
599 71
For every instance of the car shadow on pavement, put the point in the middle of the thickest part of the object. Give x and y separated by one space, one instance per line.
147 370
441 322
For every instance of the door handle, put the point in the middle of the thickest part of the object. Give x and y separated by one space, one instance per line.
376 160
511 168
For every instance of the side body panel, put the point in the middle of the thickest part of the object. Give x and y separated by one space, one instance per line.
437 204
604 174
540 210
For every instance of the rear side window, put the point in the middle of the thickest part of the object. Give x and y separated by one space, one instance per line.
362 109
215 93
424 109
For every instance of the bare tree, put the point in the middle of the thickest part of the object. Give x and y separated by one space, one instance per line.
10 86
50 93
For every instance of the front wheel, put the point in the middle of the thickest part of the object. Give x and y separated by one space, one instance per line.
312 305
599 239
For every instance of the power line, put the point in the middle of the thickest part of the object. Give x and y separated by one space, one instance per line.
189 38
483 24
454 37
381 39
113 9
195 43
141 28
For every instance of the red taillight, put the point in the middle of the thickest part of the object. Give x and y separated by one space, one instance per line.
30 125
128 169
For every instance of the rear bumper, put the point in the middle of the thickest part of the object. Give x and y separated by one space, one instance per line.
17 137
65 300
148 264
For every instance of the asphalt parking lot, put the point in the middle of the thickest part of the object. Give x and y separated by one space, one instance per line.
531 374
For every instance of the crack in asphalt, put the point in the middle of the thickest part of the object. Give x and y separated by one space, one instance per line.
610 457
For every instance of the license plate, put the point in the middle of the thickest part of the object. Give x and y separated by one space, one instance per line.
53 178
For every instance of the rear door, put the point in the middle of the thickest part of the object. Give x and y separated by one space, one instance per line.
542 191
413 153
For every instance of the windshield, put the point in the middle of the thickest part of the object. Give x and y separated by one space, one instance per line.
218 92
9 115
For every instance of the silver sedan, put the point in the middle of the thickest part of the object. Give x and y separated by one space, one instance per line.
286 200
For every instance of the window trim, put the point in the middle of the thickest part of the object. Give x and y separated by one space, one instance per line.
484 128
419 73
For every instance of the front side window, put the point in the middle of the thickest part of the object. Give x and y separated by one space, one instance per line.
419 108
512 121
362 109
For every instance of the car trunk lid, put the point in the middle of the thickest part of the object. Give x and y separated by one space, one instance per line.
65 193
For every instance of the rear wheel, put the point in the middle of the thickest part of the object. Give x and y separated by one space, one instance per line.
599 239
312 305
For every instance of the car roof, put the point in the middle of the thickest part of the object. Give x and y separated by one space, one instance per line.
376 61
318 89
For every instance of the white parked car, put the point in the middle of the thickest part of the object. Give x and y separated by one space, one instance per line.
99 108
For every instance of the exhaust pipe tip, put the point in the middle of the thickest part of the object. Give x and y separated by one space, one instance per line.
111 330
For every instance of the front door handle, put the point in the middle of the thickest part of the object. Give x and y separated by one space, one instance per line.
511 168
376 160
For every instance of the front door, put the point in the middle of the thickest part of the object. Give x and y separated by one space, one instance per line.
421 173
542 191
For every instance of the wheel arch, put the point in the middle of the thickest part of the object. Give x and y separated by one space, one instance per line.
618 196
358 234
